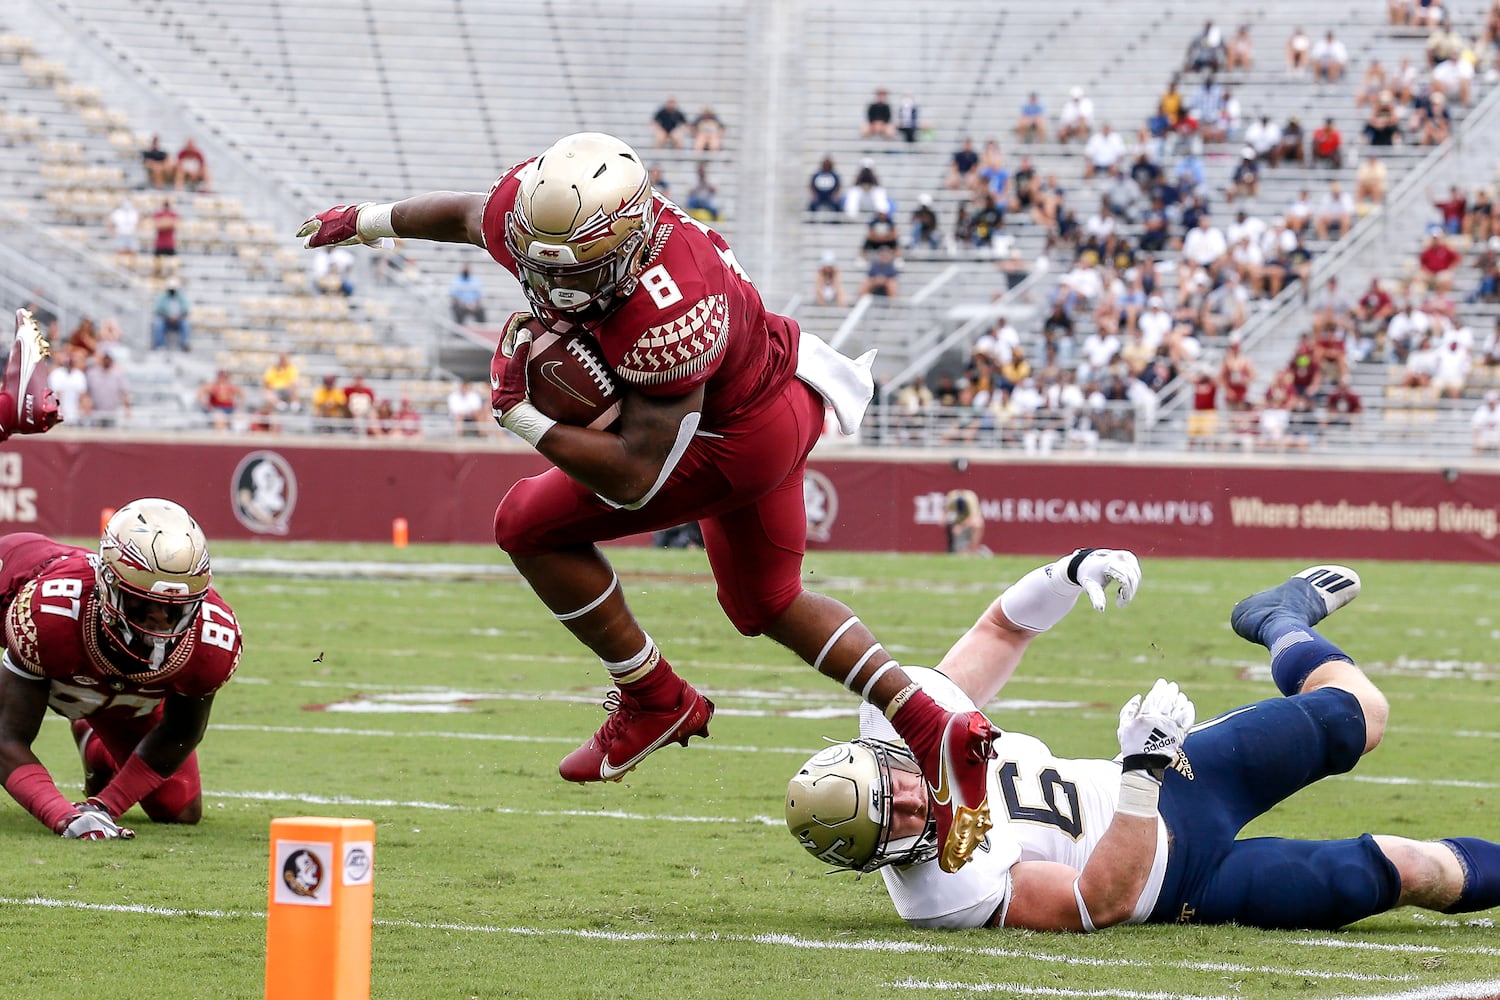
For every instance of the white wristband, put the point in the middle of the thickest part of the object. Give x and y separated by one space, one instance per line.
1041 598
374 222
1139 794
526 422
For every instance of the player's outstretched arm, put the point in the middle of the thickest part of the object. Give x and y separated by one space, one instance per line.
1048 896
983 660
440 216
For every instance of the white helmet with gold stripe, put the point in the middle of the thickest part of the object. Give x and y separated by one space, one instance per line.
152 574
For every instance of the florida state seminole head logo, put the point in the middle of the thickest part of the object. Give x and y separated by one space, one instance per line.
264 492
302 873
821 501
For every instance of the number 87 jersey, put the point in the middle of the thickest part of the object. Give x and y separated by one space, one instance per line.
55 629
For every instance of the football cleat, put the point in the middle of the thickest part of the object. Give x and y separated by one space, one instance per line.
27 406
632 731
960 793
1309 597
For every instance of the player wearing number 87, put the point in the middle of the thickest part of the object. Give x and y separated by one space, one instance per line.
130 643
722 402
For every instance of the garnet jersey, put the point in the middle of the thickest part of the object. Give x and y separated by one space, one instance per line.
1045 808
52 631
694 318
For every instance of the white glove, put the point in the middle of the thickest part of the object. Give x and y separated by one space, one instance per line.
1152 728
95 823
1092 569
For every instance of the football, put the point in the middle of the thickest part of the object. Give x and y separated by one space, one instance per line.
570 382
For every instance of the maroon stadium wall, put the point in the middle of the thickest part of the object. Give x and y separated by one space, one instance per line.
337 491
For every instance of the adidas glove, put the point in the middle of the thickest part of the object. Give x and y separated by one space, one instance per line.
1152 728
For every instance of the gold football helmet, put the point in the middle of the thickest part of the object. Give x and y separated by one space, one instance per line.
152 573
581 226
839 807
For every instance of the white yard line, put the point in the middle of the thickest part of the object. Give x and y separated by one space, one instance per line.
1017 990
772 940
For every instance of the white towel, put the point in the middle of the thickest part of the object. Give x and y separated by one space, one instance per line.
846 384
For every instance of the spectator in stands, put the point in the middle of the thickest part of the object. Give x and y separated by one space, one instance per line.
467 410
987 222
171 314
1369 183
1206 51
111 341
1203 247
708 131
329 404
1341 408
282 382
1103 151
1486 424
1482 220
1405 332
83 340
221 399
1169 110
362 405
881 280
1076 120
161 167
1421 364
69 383
1240 50
1031 124
192 168
670 124
1488 265
1244 182
826 188
828 287
408 420
1489 354
1335 212
1123 196
1383 127
1371 314
908 118
880 234
1437 257
1236 376
1454 78
1298 52
867 195
164 249
1371 83
1327 145
961 166
878 118
466 297
1290 148
333 271
1276 411
124 224
1451 369
926 232
659 180
1432 124
1264 136
703 197
1452 209
1329 58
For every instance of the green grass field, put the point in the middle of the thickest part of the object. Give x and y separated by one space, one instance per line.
439 709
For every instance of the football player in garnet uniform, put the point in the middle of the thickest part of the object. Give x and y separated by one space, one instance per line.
130 644
724 401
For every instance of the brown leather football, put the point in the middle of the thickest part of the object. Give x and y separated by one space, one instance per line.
569 381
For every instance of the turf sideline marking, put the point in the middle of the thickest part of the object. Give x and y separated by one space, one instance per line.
774 940
1015 989
348 800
